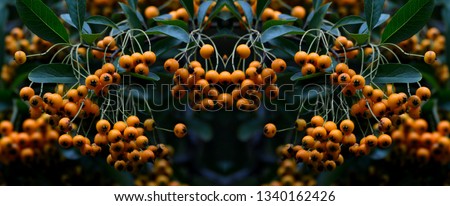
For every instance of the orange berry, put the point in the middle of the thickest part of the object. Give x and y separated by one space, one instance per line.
103 126
243 51
26 93
126 62
384 140
149 57
180 130
151 12
270 130
171 65
206 51
278 65
300 57
430 57
20 57
299 12
424 93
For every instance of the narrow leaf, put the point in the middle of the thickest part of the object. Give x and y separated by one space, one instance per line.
397 73
382 20
408 20
77 11
202 9
260 6
248 12
91 38
170 30
53 73
42 21
150 77
279 30
373 9
164 21
66 17
349 20
101 20
318 17
132 18
317 4
132 3
189 6
272 22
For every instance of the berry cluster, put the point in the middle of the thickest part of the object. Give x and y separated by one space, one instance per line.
211 90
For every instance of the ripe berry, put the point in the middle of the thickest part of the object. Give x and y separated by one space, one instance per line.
149 124
300 124
424 93
126 62
237 76
92 81
384 140
301 57
141 69
20 57
180 130
103 126
347 126
299 12
430 57
65 141
270 130
171 65
206 51
243 51
323 62
278 65
26 93
149 57
308 69
317 121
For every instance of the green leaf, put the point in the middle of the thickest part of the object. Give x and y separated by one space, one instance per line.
189 6
91 38
42 21
317 4
318 17
4 12
260 6
279 30
170 30
446 17
349 20
150 77
201 128
132 18
299 76
179 23
101 20
382 20
285 45
163 45
408 20
373 9
53 73
248 12
247 130
68 20
132 3
272 22
397 73
202 9
77 11
359 38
